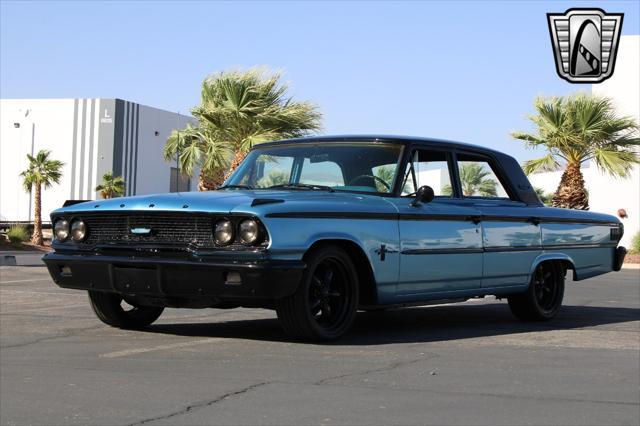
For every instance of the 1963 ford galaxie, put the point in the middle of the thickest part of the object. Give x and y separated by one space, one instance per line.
318 228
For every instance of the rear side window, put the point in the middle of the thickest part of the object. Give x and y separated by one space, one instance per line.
478 178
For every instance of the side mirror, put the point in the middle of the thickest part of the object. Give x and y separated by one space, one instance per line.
424 194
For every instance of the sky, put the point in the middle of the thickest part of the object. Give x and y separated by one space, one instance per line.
466 71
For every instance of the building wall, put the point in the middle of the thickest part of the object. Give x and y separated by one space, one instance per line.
91 136
607 194
43 124
153 173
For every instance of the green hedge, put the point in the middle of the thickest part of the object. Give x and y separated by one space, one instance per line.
635 244
18 234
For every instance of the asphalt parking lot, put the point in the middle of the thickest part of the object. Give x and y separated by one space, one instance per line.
469 363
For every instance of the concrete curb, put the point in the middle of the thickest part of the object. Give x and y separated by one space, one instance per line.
8 260
21 259
631 266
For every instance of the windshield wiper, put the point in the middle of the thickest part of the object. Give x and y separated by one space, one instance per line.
302 186
236 187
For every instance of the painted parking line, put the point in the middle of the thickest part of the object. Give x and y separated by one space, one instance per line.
56 293
25 311
126 352
25 281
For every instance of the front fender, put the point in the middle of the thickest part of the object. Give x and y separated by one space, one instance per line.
291 238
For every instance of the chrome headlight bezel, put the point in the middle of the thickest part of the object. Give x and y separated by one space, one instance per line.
249 232
223 225
61 226
78 230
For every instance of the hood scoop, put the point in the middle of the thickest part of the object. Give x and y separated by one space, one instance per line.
68 203
261 201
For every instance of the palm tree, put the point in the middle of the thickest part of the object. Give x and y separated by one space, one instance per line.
577 129
42 171
543 196
111 186
198 148
238 110
474 181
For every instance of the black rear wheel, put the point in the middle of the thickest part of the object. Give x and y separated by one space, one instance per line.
324 306
543 298
111 309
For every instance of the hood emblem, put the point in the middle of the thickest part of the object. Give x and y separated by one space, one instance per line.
141 231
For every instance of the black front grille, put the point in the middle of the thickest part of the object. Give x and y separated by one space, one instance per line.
171 229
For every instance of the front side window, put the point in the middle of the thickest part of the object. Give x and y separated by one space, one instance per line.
430 168
340 166
478 179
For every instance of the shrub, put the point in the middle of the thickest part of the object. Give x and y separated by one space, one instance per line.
635 243
18 234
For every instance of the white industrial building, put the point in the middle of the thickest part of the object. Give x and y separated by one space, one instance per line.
608 194
91 137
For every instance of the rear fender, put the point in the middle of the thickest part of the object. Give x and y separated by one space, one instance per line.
564 258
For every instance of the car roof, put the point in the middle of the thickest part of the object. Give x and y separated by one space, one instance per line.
434 142
518 181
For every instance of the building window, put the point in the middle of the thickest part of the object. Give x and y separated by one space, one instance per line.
179 182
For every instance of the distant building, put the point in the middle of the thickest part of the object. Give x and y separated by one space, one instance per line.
607 194
92 137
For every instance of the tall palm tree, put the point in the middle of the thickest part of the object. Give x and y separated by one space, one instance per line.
111 186
42 171
577 129
238 110
199 148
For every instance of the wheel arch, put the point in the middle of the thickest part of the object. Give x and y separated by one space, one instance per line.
566 261
366 280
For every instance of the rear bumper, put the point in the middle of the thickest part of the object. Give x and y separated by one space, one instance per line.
618 258
176 278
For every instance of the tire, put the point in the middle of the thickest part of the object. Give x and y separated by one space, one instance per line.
108 308
543 298
325 304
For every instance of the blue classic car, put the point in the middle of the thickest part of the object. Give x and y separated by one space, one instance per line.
318 228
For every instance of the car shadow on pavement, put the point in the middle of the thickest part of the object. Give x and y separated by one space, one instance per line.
417 325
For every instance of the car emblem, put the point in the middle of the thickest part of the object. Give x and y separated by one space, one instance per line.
141 231
585 43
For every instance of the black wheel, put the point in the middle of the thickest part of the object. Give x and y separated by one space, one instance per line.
324 306
111 309
543 298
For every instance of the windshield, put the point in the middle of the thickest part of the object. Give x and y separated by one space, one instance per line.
354 166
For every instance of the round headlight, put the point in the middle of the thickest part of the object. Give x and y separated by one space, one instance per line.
78 230
249 231
223 232
61 229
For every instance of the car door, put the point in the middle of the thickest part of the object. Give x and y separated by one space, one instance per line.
511 237
440 241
